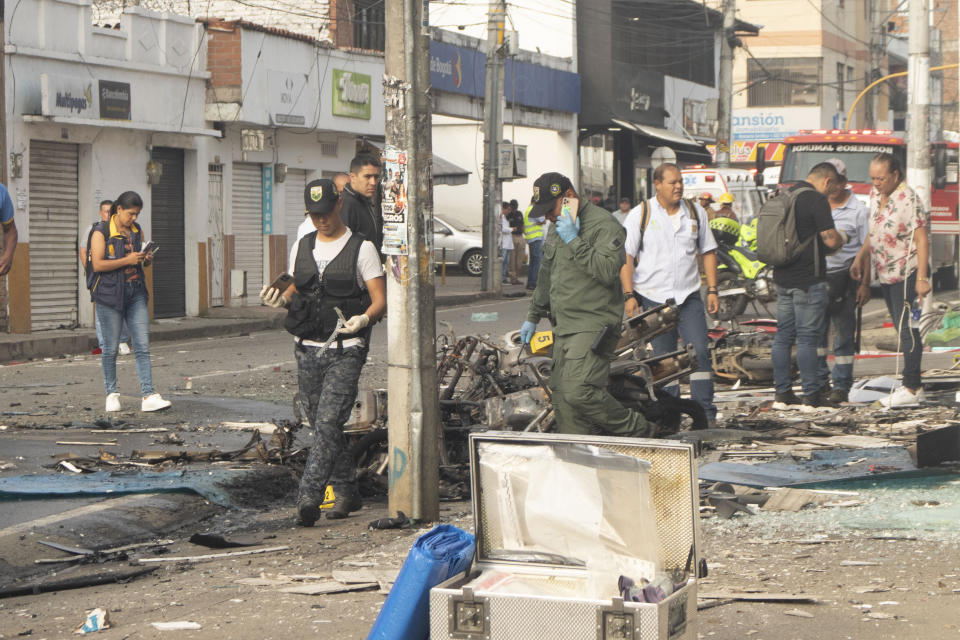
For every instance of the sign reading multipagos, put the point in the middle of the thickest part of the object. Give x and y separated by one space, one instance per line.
351 94
64 96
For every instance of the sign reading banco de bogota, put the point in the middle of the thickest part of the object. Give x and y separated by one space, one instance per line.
351 94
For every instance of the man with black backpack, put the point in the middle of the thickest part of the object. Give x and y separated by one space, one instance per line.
795 231
86 259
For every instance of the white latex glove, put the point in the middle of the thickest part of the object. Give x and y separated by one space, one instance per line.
273 298
356 323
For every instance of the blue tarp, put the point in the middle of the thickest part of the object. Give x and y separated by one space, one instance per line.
207 483
437 555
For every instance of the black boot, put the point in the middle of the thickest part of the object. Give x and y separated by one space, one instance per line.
347 500
308 512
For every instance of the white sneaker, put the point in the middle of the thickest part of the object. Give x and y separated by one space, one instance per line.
154 402
902 397
113 402
124 349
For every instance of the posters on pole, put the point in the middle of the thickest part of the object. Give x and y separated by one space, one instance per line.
394 201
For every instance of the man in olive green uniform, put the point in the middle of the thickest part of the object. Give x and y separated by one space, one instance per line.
579 291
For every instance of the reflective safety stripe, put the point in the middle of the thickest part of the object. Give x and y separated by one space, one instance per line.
531 230
822 352
701 375
843 359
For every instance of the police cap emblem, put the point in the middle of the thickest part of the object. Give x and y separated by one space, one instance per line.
316 193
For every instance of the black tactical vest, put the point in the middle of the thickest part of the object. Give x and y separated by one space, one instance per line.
312 313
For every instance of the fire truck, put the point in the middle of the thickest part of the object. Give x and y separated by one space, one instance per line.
856 148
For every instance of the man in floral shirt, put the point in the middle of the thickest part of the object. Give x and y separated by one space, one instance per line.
898 249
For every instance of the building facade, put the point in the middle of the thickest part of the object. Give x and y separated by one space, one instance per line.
92 112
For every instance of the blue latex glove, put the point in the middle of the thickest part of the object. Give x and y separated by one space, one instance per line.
567 229
526 331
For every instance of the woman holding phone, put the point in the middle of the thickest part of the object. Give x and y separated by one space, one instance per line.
120 291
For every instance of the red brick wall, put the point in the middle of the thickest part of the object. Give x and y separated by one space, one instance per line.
224 61
341 24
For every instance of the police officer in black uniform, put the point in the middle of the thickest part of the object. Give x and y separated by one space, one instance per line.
338 292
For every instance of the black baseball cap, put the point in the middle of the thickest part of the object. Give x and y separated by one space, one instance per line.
546 189
320 196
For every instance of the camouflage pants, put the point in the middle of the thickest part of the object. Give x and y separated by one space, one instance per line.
328 387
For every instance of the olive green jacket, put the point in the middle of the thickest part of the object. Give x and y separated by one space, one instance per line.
578 288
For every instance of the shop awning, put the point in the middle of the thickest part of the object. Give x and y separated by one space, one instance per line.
444 171
688 150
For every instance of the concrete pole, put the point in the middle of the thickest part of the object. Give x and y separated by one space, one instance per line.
725 85
413 414
919 174
492 135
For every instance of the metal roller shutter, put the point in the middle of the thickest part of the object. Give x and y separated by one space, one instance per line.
54 215
294 185
167 222
248 225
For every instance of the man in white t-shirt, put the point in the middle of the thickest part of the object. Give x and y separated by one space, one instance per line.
335 274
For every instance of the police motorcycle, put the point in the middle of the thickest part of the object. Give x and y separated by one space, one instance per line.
742 278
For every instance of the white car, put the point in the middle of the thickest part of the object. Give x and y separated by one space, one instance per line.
463 247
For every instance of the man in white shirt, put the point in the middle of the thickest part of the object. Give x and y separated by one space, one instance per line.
335 274
664 239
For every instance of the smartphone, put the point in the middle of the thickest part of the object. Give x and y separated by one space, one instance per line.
150 247
571 206
282 283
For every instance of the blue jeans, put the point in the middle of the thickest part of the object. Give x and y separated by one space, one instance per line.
124 333
505 269
842 314
137 318
801 316
899 296
692 329
536 256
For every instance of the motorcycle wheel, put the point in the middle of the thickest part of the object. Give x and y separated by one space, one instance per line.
730 306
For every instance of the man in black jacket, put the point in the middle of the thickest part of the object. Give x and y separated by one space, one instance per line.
361 212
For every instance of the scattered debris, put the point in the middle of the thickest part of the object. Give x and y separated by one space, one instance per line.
938 446
76 582
327 587
219 541
265 428
798 613
212 556
96 620
859 563
401 521
180 625
746 596
872 589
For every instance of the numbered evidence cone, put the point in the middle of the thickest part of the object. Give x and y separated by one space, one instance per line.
541 341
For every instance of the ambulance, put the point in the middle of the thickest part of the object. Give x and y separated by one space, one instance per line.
748 197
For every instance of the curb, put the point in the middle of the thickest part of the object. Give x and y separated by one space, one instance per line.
40 346
50 347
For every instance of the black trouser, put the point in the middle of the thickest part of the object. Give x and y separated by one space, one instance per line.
899 298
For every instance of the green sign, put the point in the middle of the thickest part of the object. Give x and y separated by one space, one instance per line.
351 94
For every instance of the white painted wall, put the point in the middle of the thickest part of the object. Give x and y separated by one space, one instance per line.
156 55
461 142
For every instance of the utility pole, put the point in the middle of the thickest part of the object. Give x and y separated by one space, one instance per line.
413 414
919 175
492 135
872 64
725 84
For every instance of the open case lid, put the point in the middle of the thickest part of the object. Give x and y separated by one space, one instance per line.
571 502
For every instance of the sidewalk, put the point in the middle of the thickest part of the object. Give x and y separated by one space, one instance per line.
459 289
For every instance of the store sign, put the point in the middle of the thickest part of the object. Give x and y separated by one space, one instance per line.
65 96
773 124
290 103
351 94
114 100
696 120
267 199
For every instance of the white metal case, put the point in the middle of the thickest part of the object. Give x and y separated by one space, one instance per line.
460 610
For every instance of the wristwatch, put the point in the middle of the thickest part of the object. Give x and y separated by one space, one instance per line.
628 296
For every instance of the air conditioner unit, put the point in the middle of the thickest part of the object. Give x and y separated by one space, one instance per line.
512 161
